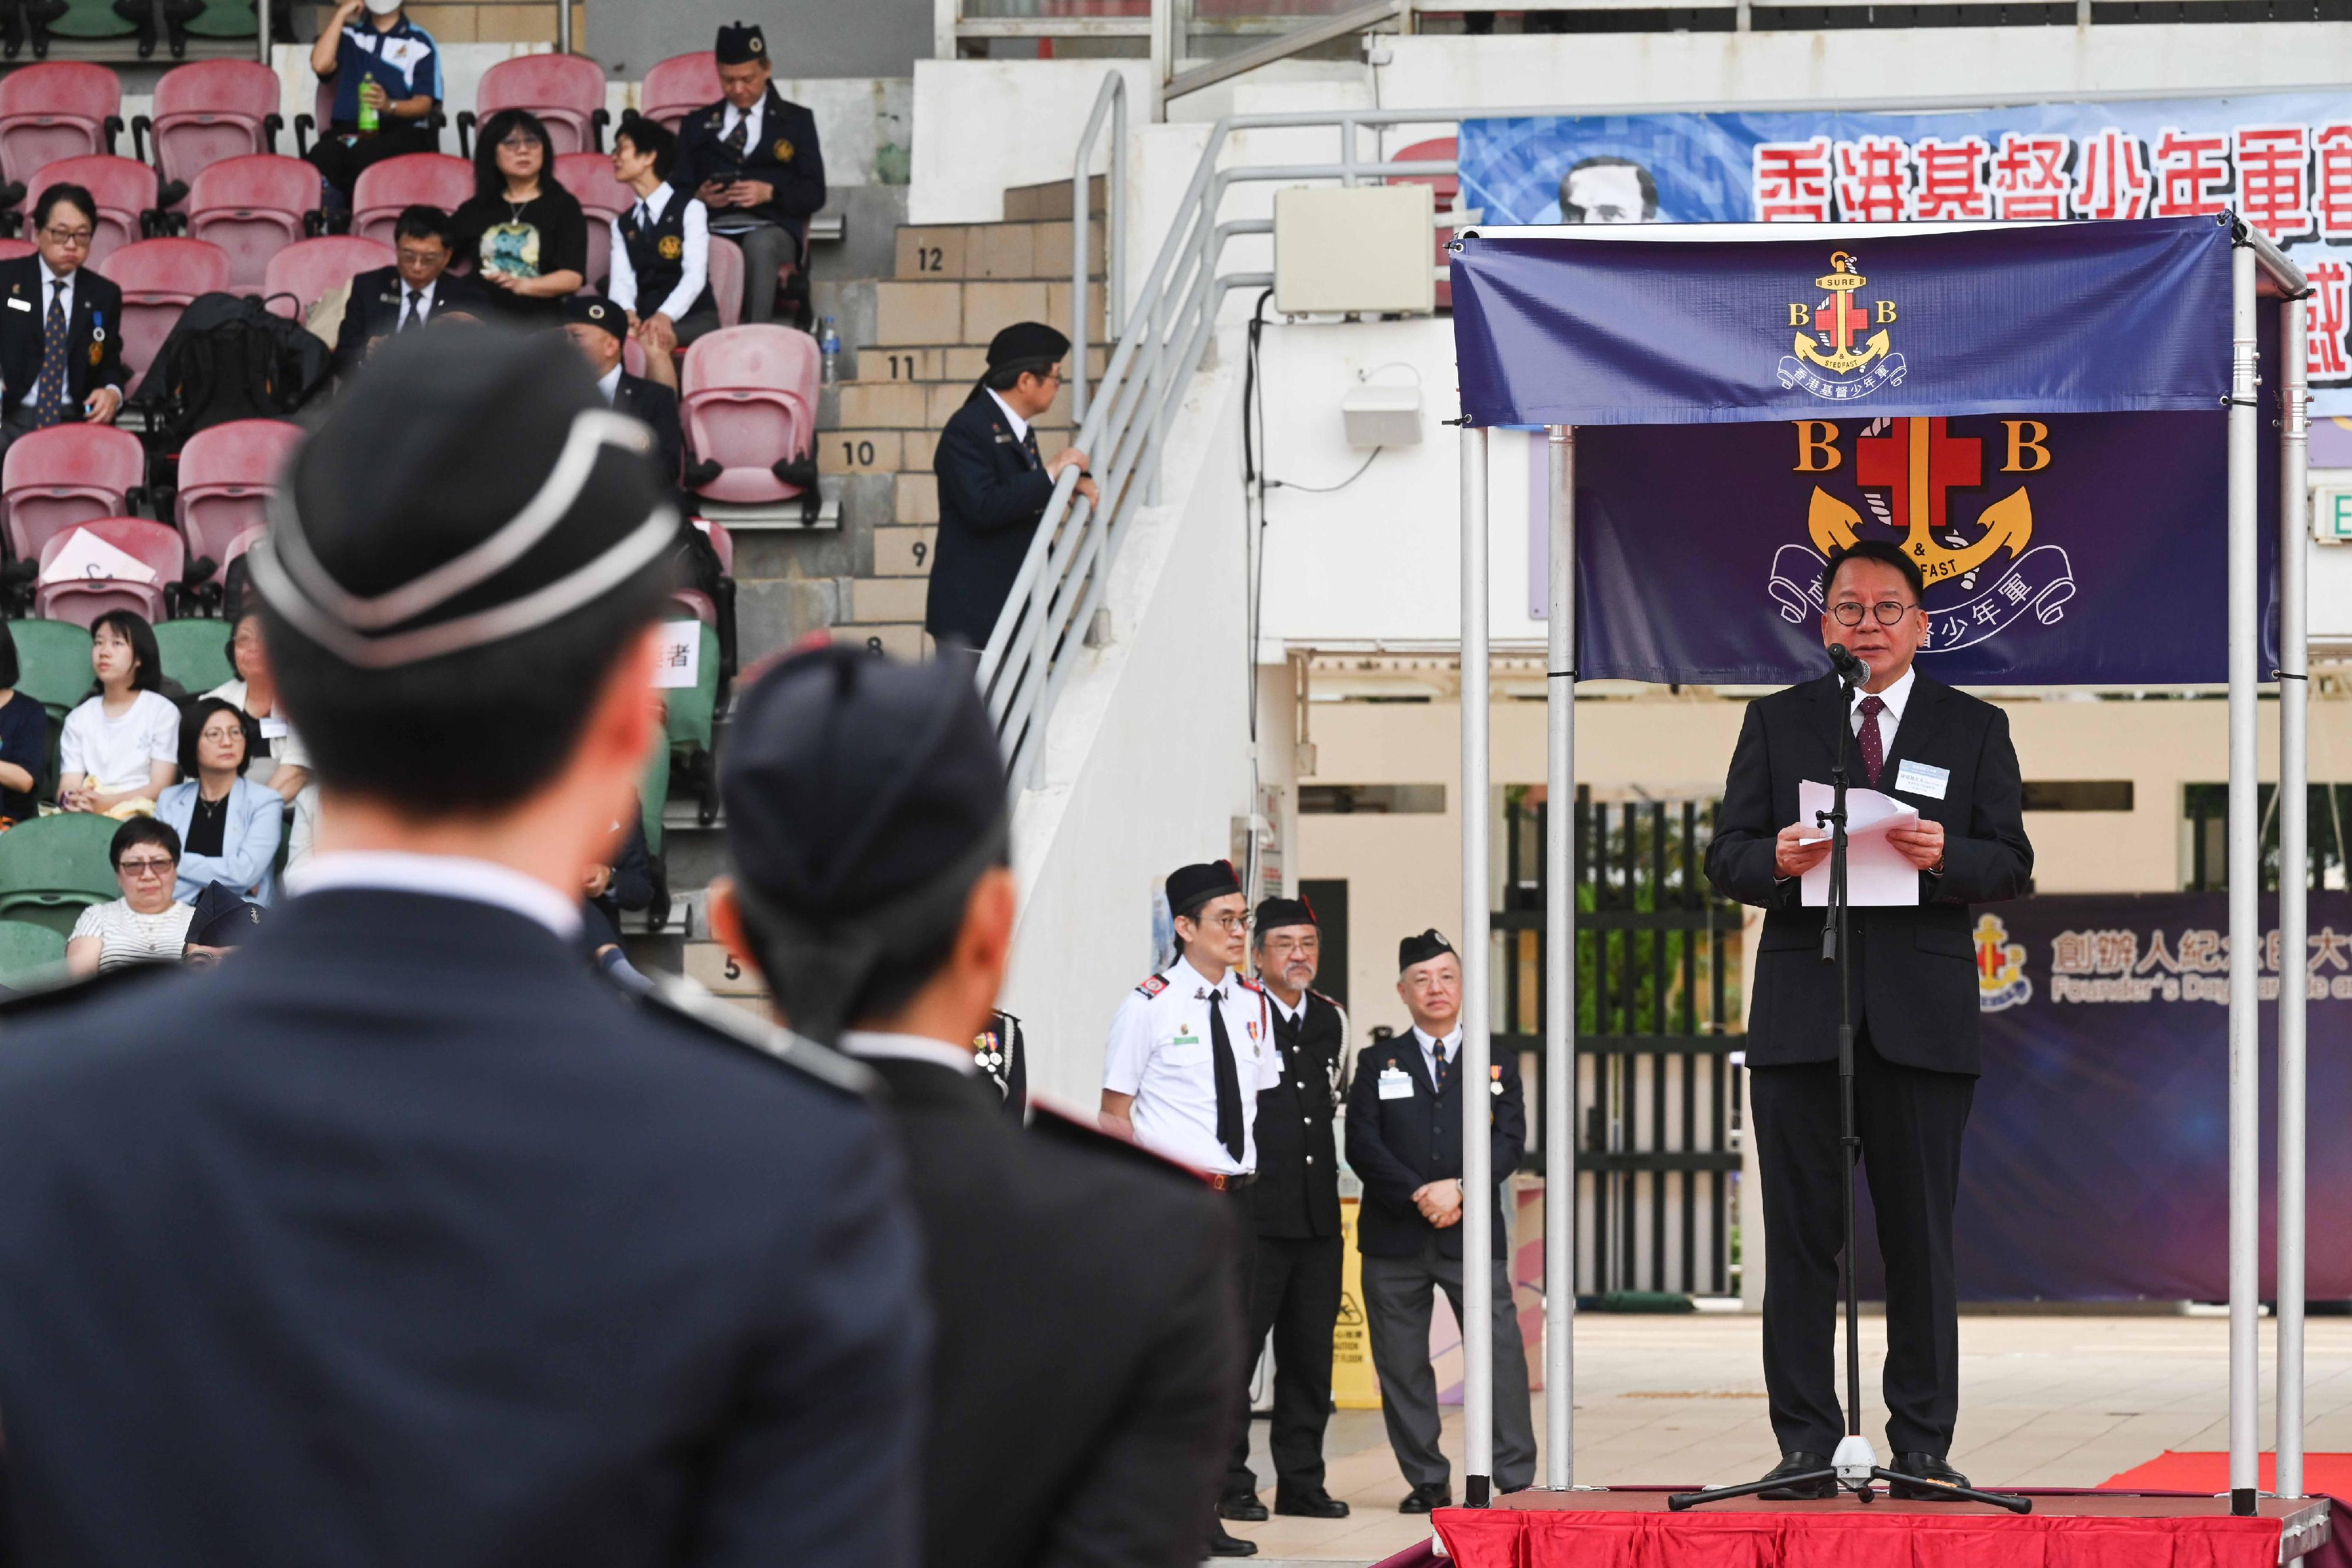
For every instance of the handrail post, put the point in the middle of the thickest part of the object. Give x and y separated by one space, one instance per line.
2295 880
1113 95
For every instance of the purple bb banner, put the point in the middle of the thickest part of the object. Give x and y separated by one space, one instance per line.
2096 1167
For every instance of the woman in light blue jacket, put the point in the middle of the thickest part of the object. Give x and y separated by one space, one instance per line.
228 825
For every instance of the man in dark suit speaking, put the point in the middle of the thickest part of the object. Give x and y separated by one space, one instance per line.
1915 1007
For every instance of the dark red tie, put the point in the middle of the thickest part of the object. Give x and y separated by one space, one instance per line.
1873 749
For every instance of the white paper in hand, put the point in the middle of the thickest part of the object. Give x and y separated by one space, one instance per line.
1875 871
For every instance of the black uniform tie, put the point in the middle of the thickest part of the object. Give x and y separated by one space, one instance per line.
738 139
410 316
1438 1077
1229 1079
50 404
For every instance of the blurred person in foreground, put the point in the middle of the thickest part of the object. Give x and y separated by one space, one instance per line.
402 1238
1081 1408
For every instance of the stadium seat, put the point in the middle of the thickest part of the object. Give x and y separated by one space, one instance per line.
566 91
301 275
727 280
589 177
124 189
691 711
750 402
82 600
195 652
52 663
160 278
54 110
242 543
434 179
722 544
209 111
653 795
53 868
677 87
90 19
10 249
31 955
226 477
253 207
68 474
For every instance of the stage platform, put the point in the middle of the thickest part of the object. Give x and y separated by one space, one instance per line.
1631 1528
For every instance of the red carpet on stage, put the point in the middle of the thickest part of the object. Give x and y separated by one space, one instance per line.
2329 1474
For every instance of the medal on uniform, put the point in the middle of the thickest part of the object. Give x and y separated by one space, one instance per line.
782 150
671 248
1494 1080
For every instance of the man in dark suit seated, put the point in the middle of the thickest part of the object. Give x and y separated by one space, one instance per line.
417 288
753 160
402 1238
1088 1381
1915 1007
993 484
61 327
600 330
1404 1140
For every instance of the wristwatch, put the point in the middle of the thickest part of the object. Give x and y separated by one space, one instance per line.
1937 869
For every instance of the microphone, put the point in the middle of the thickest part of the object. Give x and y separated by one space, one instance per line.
1849 668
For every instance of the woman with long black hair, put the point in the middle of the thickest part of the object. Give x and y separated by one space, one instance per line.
525 233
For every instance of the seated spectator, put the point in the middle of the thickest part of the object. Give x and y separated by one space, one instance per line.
627 884
416 289
387 77
23 738
661 248
525 233
146 923
218 922
254 693
752 159
229 826
78 373
121 745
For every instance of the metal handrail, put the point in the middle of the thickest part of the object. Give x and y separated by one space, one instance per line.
1109 99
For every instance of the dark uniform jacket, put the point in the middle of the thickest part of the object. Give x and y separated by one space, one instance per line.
378 297
1297 1196
992 491
657 255
1004 1057
93 332
1413 1136
786 156
399 1238
1917 986
1089 1357
655 406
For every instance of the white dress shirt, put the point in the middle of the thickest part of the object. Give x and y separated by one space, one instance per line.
1162 1053
1020 426
1896 697
1429 1048
622 287
440 876
609 385
750 118
422 305
49 280
871 1043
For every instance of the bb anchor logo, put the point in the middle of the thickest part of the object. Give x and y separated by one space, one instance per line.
1832 358
2001 967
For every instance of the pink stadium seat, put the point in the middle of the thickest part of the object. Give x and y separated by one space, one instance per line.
160 278
435 179
727 280
239 545
226 477
697 604
677 87
722 544
124 188
57 109
65 474
253 207
301 275
10 249
566 91
83 600
750 402
209 111
589 177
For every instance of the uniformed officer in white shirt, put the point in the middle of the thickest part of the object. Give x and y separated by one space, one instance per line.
1190 1050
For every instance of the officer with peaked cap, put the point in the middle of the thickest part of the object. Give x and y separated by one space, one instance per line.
401 1238
753 160
1088 1354
993 484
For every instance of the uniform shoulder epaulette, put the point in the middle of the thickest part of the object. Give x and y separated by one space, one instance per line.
25 1007
1319 997
684 1000
1250 984
1152 986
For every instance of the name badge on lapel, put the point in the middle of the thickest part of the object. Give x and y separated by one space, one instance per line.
1395 1085
17 302
1919 778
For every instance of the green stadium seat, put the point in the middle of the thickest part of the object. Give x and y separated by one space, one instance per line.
654 795
225 19
31 956
90 19
52 663
52 868
693 709
196 653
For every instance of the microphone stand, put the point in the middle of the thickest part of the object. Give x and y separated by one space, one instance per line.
1855 1464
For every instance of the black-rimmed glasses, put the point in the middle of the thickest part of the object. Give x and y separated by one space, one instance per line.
1886 611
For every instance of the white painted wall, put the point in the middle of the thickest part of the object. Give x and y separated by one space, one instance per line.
983 125
1148 759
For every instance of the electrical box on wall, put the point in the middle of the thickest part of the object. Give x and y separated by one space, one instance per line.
1362 250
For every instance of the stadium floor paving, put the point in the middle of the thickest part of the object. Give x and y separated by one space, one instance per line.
2060 1401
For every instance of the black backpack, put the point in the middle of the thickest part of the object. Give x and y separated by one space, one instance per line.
228 358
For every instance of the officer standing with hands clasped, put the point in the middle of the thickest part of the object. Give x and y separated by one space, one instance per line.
400 1238
1297 1206
1191 1049
1083 1382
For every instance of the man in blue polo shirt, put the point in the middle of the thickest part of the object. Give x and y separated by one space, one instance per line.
387 75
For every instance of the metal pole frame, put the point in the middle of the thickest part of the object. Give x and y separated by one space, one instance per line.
1478 1044
2295 877
2245 884
1559 975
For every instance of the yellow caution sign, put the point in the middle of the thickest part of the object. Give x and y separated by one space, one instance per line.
1354 1384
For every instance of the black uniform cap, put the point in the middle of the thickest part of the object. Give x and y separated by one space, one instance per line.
864 799
587 311
401 534
1026 345
1420 949
222 918
740 43
1273 914
1191 886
